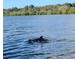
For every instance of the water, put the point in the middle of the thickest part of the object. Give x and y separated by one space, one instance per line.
59 29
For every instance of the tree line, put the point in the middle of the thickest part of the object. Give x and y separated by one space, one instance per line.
66 8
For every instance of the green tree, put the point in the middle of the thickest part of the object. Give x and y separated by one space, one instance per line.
68 4
67 8
31 6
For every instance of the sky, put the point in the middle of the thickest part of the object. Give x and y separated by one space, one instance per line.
22 3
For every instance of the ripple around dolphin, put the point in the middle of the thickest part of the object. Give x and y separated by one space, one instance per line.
9 49
10 55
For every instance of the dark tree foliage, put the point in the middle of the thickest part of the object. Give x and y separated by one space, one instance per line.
73 4
26 7
68 4
31 6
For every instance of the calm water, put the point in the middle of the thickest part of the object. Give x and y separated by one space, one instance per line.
59 29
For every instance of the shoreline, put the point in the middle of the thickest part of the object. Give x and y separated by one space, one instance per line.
44 15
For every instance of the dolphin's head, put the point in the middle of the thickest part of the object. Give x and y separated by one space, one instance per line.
41 36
